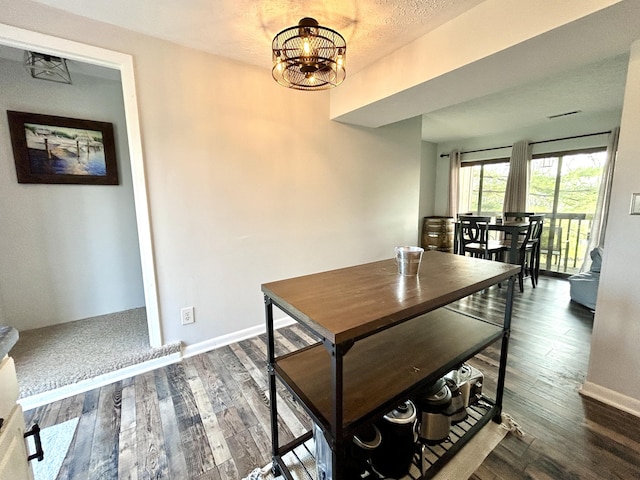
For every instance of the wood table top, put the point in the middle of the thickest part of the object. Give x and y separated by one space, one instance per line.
354 302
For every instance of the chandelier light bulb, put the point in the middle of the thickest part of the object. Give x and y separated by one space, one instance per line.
306 47
340 59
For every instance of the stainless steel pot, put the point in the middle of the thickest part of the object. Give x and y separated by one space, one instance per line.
433 403
394 455
456 409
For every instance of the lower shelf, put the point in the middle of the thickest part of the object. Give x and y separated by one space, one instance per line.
434 457
299 462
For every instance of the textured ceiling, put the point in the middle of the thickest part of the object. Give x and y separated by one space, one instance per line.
243 29
595 90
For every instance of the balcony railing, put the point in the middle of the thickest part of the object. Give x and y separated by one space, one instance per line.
564 241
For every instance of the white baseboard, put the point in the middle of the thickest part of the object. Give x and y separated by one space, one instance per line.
82 386
611 398
44 398
223 340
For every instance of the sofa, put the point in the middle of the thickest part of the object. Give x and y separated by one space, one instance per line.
584 286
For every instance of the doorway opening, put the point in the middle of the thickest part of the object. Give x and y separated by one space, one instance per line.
25 40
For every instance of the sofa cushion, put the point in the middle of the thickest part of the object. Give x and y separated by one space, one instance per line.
596 259
584 288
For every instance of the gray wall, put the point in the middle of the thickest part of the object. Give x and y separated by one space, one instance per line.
66 251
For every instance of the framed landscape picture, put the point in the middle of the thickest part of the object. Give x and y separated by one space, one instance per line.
50 149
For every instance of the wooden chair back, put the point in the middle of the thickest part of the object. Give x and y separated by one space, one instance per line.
516 216
534 232
473 229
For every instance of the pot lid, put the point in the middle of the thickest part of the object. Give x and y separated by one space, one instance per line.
403 413
433 388
453 386
438 399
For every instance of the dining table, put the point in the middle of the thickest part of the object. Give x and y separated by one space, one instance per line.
511 229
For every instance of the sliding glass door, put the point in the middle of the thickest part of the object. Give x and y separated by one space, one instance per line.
563 186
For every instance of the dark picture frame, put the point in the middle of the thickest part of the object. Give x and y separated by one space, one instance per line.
51 149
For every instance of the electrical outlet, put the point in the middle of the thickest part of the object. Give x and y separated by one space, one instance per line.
186 315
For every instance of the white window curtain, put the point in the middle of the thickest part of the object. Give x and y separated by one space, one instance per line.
455 159
599 225
515 198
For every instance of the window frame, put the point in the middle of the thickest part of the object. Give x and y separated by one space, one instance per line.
559 154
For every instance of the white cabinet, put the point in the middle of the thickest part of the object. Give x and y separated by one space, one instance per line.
13 452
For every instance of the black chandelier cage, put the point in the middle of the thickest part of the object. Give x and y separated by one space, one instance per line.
47 67
309 57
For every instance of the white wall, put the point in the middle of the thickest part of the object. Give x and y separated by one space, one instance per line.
248 182
66 251
428 177
615 356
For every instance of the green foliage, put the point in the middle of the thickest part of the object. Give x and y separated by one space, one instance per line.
579 183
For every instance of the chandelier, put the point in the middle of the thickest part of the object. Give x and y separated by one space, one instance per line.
309 57
47 67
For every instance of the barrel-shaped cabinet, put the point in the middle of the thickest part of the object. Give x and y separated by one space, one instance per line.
437 234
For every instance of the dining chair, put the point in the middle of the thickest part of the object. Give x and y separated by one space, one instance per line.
474 238
529 251
558 244
516 216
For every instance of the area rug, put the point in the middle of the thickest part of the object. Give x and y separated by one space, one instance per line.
55 443
52 357
302 465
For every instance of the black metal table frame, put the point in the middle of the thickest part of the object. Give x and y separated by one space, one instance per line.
336 437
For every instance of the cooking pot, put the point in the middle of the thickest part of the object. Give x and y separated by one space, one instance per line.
433 403
456 410
364 443
394 455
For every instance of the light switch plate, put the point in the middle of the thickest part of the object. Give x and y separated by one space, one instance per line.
635 204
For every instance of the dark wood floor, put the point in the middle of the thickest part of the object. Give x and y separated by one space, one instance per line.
207 417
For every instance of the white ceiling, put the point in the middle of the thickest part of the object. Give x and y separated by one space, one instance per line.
595 91
243 30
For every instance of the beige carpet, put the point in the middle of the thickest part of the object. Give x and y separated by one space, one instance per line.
52 357
461 467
